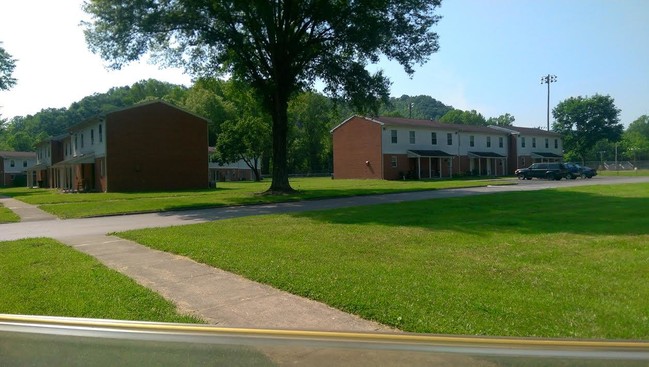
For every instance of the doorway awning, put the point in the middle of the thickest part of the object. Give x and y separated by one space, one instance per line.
545 155
485 155
428 154
80 159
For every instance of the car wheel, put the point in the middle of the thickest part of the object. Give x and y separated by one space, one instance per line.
583 175
521 177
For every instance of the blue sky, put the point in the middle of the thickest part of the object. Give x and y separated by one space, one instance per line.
491 58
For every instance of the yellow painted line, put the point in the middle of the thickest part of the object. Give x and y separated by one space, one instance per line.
370 337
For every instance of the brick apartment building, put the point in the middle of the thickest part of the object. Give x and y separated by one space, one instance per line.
13 167
150 146
395 148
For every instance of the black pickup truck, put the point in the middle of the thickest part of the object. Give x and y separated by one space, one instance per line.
550 171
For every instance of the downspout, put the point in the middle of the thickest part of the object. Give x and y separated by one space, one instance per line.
381 137
459 161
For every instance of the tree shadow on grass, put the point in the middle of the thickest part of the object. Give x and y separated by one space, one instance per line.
547 211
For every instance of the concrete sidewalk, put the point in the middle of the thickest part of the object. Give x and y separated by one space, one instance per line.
216 296
219 297
26 212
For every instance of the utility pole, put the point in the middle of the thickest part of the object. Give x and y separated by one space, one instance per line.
547 80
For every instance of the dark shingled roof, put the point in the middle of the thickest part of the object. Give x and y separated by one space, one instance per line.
487 155
429 153
546 155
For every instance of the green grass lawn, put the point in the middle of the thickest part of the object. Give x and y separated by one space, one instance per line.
7 216
66 205
570 262
45 277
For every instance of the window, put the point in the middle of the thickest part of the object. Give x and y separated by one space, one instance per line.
81 140
501 142
449 139
556 143
393 134
24 163
488 141
100 134
433 138
12 163
471 141
533 142
547 144
522 142
412 137
92 136
394 161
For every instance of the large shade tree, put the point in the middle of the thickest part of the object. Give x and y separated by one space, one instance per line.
7 66
583 121
278 46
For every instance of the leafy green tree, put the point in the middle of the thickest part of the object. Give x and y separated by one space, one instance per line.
310 117
7 66
502 120
640 126
472 117
420 107
635 139
245 134
207 98
583 121
21 141
246 139
280 47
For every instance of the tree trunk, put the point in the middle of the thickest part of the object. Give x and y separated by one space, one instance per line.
280 184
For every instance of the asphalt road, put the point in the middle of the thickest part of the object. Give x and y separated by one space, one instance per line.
103 225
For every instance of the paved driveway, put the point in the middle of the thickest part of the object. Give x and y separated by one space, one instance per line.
104 225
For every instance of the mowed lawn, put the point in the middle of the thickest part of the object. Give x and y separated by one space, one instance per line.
569 262
7 216
75 205
44 277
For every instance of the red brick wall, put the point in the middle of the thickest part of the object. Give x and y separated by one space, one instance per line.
155 147
357 150
404 165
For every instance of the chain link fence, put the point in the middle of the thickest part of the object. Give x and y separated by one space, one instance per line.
619 166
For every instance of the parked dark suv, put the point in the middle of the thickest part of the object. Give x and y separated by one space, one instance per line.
576 170
550 171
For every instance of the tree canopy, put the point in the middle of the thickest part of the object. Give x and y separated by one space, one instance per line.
7 66
418 107
278 46
472 117
635 140
502 120
583 121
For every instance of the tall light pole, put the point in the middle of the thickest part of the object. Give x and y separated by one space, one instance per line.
547 80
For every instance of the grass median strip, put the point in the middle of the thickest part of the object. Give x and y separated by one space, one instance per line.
7 216
44 277
73 205
569 262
